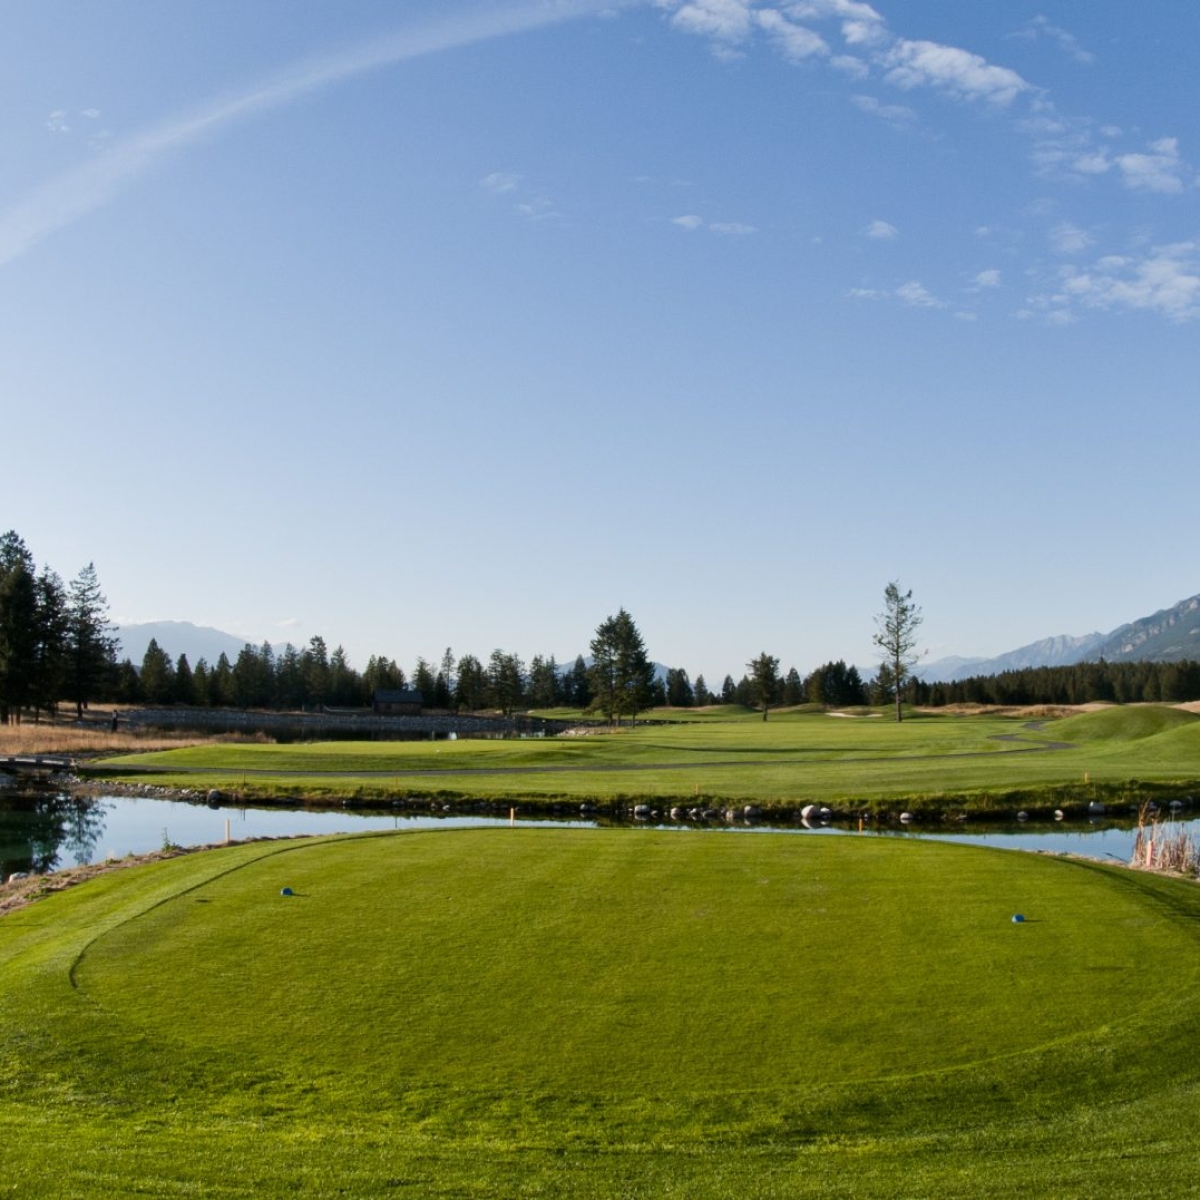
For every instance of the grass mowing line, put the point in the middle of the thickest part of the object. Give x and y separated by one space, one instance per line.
299 843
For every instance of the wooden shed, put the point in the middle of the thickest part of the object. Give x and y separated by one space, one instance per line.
397 702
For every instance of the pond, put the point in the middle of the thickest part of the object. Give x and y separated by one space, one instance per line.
46 831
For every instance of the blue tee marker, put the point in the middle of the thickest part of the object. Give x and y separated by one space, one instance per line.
289 892
1018 918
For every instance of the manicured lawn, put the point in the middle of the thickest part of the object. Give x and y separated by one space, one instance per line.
602 1013
794 758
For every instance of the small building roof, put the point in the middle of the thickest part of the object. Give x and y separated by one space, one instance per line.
398 696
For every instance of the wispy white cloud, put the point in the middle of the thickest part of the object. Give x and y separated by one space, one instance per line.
1164 280
56 122
1068 238
795 42
915 295
894 114
537 208
500 182
987 279
1071 148
1039 28
850 66
861 24
912 294
1062 146
92 114
1158 170
691 222
881 231
526 201
728 22
731 25
966 76
71 196
1093 162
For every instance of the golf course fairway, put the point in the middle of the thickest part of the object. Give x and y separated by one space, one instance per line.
612 1012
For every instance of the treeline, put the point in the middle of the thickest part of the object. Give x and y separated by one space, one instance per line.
55 639
834 685
1081 683
56 642
314 677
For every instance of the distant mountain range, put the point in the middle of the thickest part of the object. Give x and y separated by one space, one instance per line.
1168 636
179 637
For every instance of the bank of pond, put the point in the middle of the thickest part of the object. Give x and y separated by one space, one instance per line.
49 830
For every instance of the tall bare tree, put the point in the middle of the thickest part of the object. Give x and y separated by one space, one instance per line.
896 636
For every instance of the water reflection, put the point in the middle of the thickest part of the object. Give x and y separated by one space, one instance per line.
49 831
46 831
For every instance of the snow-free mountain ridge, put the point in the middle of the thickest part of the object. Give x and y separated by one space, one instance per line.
1169 635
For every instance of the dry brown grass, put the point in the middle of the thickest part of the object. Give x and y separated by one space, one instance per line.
17 893
1027 711
95 736
1164 846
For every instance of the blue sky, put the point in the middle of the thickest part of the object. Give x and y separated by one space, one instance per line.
468 323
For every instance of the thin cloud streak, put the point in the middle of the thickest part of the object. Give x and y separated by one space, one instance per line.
71 196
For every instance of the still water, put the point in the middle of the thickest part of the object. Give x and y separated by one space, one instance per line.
47 832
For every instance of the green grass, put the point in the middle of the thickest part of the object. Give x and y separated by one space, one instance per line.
929 762
602 1013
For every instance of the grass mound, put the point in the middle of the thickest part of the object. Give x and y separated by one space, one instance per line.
600 1013
568 960
1124 724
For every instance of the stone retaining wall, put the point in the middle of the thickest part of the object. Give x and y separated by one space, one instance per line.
227 720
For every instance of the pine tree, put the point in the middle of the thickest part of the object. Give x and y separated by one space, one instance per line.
579 684
220 682
158 675
505 681
764 680
679 688
91 646
424 681
469 685
52 630
315 669
185 687
18 627
343 679
621 673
